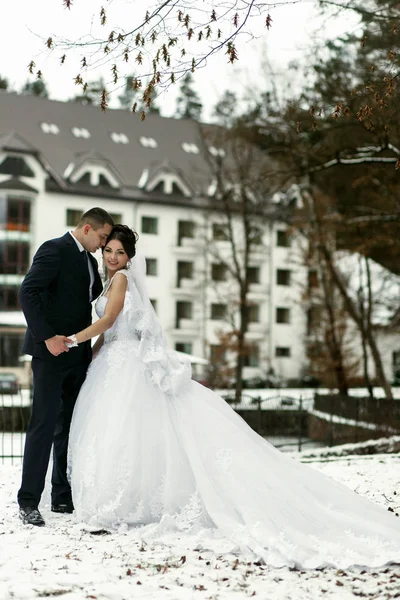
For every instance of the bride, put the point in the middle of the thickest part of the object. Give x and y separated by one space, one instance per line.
154 452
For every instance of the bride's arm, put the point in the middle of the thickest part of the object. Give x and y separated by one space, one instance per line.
113 308
98 345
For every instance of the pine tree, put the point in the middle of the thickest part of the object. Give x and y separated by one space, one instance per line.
188 103
35 88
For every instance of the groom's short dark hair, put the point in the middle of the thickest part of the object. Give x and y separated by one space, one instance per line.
96 217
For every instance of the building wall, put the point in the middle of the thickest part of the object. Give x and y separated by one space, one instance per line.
49 220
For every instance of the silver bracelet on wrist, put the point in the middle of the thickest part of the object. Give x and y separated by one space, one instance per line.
73 343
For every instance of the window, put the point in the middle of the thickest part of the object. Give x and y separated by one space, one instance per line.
283 315
253 274
282 277
85 178
15 214
282 352
184 347
73 216
216 151
315 316
150 225
252 358
185 271
49 128
152 267
253 313
190 148
14 257
10 349
218 272
396 365
312 279
256 235
104 181
218 311
185 230
282 238
15 165
148 142
183 311
177 189
116 217
219 232
9 298
154 304
217 354
119 138
80 132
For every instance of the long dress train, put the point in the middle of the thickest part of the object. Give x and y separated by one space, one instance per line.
155 452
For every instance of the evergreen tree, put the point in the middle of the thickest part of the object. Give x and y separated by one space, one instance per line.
225 109
35 88
188 103
3 83
93 93
131 96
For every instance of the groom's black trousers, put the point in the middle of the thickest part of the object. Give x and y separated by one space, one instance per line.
55 390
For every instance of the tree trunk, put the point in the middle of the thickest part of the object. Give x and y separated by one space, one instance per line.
241 348
380 373
334 347
365 367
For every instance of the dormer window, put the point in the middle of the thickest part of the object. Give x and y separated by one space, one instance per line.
16 165
119 138
50 128
216 151
80 132
168 183
190 148
95 175
148 142
85 179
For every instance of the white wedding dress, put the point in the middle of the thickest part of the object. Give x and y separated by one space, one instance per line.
156 453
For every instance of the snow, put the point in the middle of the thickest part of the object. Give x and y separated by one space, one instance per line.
13 318
385 285
350 422
64 559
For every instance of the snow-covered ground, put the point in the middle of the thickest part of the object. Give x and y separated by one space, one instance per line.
63 559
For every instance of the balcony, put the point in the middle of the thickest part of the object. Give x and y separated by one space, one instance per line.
258 291
188 327
256 331
186 287
188 246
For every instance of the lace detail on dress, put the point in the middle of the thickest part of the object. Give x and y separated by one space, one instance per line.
191 513
138 330
224 458
151 450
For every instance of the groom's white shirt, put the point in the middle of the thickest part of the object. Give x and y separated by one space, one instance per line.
90 266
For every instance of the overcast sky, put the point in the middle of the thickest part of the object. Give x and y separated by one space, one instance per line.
26 24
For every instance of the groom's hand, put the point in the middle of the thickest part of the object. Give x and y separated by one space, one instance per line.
56 345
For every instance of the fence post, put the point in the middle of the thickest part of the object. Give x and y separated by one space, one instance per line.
331 423
258 400
300 422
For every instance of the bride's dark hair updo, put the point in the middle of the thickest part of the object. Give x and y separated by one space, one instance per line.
126 236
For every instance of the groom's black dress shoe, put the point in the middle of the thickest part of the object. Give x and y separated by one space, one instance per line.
66 508
30 515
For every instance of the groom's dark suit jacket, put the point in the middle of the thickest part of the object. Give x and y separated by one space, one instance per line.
54 297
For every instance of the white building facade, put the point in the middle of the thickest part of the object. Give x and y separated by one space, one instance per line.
58 160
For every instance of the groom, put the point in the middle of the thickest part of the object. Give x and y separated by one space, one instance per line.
56 297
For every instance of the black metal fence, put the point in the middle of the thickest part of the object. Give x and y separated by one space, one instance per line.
290 420
15 410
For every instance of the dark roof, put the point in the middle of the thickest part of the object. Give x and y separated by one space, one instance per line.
20 130
13 183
